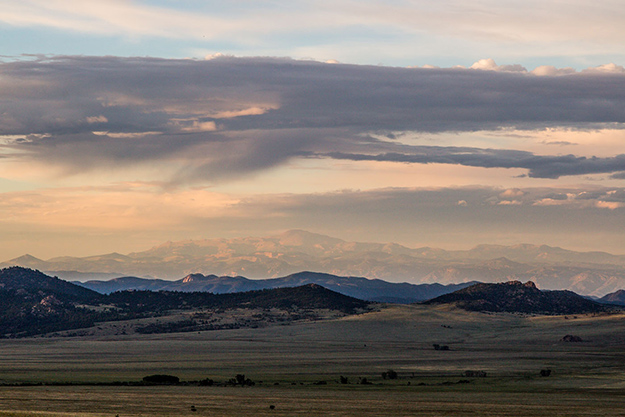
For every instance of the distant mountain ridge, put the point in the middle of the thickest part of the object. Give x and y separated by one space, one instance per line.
617 297
516 297
358 287
588 273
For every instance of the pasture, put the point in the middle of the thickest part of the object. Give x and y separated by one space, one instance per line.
297 368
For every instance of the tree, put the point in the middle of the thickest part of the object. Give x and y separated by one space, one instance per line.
389 374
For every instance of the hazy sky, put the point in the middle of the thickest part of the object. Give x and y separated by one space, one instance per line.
124 123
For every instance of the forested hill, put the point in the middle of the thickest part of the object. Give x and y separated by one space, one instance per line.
29 280
33 303
516 297
305 297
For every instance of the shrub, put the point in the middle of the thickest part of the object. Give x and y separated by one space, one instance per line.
389 374
161 379
240 379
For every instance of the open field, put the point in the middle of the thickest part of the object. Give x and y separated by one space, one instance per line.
588 378
177 401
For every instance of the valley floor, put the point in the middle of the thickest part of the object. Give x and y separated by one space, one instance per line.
287 363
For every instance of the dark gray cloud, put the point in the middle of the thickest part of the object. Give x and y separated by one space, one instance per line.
231 116
559 143
539 166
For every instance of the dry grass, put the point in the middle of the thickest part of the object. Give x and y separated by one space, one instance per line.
178 401
587 378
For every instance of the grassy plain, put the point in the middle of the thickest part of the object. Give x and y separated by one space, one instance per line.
286 361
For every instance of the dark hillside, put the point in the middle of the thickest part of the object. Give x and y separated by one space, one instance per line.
305 297
18 278
516 297
34 303
311 296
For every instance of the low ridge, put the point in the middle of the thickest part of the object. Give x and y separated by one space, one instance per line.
517 297
617 297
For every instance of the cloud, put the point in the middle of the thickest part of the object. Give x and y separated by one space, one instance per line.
611 205
550 70
118 17
97 119
539 166
490 65
607 68
512 193
489 22
228 117
559 143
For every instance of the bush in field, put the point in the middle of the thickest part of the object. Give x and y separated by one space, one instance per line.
389 374
474 374
240 379
161 379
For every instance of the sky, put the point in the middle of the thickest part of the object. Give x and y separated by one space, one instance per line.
126 123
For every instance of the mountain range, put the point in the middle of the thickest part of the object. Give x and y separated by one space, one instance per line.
33 303
588 273
357 287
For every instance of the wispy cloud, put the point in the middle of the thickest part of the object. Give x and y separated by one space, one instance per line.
114 18
495 21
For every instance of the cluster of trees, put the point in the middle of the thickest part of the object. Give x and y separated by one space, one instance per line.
241 380
164 379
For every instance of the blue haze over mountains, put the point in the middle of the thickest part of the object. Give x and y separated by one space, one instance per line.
220 264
